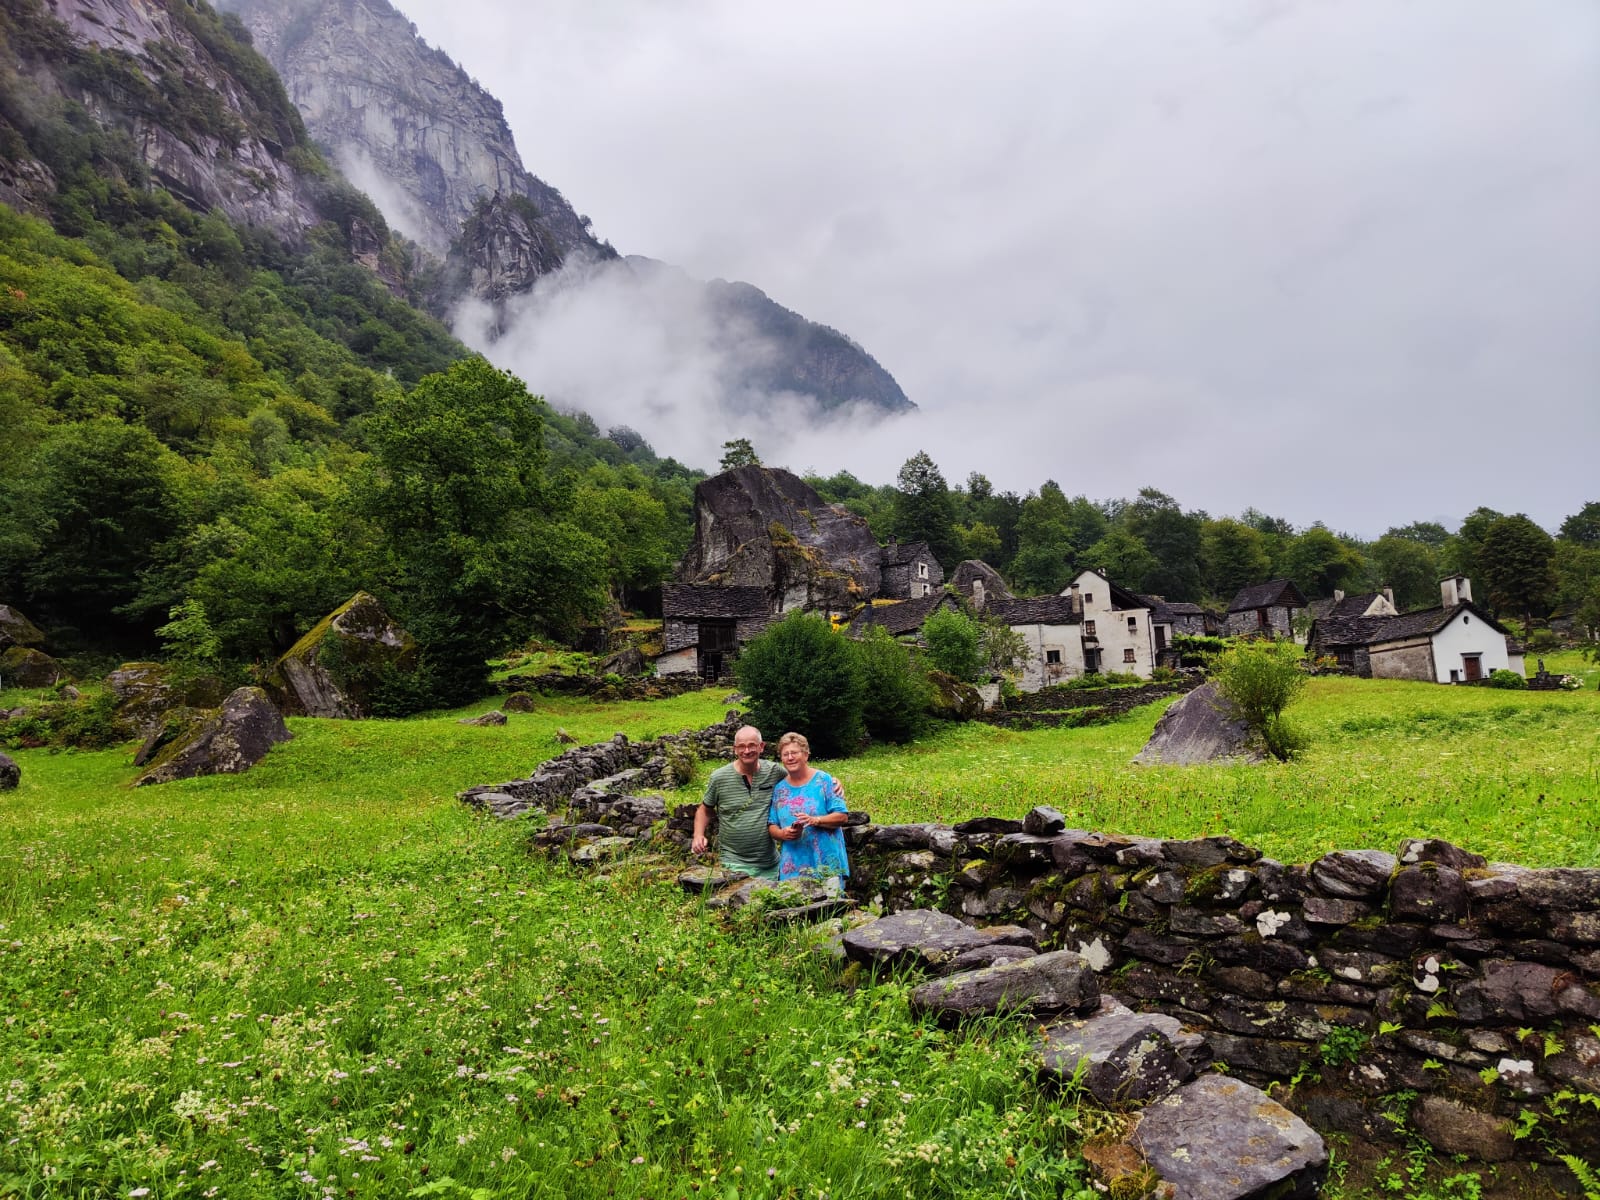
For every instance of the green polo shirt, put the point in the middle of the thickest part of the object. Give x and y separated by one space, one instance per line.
743 843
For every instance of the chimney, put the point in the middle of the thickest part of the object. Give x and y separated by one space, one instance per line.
1338 595
1463 590
1388 594
1454 590
1077 598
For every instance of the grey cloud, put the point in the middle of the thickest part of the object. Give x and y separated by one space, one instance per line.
1337 260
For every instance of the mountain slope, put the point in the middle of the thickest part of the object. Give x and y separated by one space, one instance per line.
433 148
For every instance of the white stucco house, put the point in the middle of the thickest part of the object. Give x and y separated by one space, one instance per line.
1455 642
1093 625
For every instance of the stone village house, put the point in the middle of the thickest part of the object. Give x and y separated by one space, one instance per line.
1264 610
908 571
704 624
1454 642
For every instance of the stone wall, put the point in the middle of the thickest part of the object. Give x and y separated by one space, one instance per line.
1380 994
1427 979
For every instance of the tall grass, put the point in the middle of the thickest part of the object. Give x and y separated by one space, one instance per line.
326 978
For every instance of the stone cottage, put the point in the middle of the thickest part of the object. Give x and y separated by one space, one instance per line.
908 571
903 619
704 626
979 583
1264 610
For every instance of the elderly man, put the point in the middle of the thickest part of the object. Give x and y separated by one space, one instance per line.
741 792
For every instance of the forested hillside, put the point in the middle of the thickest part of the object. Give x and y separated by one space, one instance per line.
217 429
210 413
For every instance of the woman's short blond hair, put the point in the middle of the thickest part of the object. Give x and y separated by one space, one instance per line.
794 739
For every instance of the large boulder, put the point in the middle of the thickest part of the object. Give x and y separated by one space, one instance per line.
954 699
24 667
16 629
768 528
332 671
1200 728
230 740
146 692
10 773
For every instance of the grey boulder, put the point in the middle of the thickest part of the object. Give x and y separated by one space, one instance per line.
233 739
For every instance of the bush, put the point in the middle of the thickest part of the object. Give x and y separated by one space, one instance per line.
956 645
895 694
1503 678
800 675
1197 651
1261 678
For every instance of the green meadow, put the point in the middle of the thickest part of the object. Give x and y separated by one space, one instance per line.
327 978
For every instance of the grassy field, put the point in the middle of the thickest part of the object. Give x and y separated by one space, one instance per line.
327 978
1512 775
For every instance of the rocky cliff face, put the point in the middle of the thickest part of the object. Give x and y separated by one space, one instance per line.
408 125
207 117
433 149
766 527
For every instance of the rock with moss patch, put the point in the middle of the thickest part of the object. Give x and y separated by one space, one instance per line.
24 667
146 691
767 527
519 702
335 668
1200 728
226 742
953 699
17 630
10 774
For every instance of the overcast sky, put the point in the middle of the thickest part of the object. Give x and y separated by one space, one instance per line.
1338 260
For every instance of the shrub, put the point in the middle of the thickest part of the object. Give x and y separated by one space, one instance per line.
1261 678
1197 651
1502 678
955 645
895 693
801 675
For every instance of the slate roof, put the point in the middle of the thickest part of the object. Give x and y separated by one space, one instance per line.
1350 606
1163 610
711 601
994 587
1035 610
1272 594
897 554
902 617
1374 631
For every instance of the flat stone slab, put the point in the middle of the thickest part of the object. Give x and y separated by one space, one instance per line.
1118 1055
565 835
1220 1139
601 850
773 894
918 937
1060 981
699 880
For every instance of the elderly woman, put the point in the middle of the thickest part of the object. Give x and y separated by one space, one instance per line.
808 812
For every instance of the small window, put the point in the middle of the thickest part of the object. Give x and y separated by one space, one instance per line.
1133 624
1052 658
1088 597
922 570
1127 655
1466 620
1088 628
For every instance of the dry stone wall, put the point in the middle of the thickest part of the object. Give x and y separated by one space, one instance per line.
1467 990
1420 990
